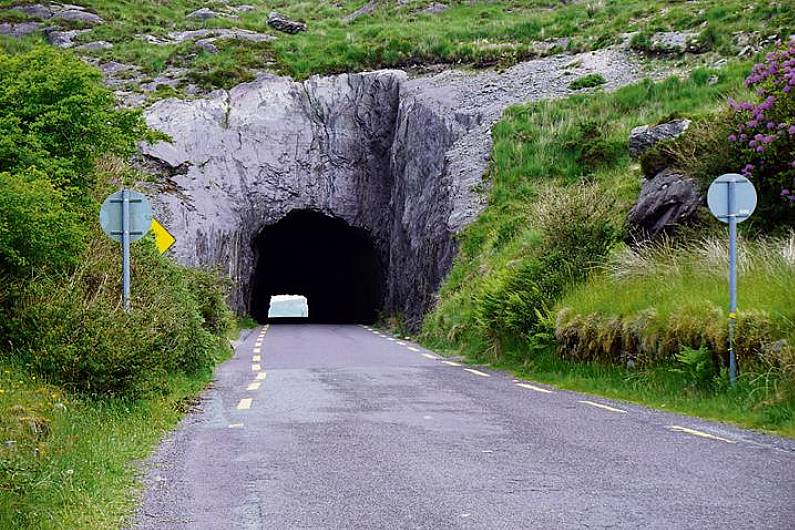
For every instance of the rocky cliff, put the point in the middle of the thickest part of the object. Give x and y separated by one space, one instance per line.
400 158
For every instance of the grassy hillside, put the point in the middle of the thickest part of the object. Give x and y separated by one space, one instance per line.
545 285
414 32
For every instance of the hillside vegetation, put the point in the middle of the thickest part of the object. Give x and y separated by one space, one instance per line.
545 284
84 386
359 35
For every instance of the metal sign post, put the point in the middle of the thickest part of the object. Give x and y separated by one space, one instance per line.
732 199
125 216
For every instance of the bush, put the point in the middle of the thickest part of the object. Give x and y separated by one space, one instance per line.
37 233
588 81
76 333
764 135
577 232
57 116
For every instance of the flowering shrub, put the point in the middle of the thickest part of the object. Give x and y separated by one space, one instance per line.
764 136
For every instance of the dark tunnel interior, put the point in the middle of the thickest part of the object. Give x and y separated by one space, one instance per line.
335 266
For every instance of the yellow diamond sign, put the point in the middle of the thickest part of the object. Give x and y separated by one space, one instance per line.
163 239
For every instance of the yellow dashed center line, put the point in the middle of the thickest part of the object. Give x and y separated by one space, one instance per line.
535 388
255 368
261 376
679 428
413 349
429 356
244 404
601 406
256 358
253 386
477 372
452 363
257 350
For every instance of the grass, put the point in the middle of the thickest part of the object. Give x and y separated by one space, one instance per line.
548 150
74 461
588 81
473 33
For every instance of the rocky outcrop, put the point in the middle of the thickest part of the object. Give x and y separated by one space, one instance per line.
400 158
281 23
668 200
643 138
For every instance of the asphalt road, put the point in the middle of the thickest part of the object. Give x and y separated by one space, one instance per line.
339 427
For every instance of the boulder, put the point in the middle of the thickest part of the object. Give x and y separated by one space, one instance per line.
643 138
94 46
204 13
37 11
668 200
366 9
675 42
207 45
64 39
75 15
435 7
18 30
282 23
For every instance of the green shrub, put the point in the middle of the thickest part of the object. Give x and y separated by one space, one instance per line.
578 229
75 332
57 116
588 81
37 232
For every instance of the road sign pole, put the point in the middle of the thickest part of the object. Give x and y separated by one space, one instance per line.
125 248
732 280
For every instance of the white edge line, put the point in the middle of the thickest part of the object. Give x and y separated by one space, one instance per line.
477 372
452 363
413 349
601 406
429 356
536 388
679 428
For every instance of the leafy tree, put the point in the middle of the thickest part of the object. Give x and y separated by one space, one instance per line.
57 116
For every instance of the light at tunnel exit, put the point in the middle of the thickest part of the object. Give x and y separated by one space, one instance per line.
288 306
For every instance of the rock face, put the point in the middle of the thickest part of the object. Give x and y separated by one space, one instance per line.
401 159
667 198
666 201
282 23
643 138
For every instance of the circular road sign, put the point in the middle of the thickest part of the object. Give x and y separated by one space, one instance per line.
744 197
110 215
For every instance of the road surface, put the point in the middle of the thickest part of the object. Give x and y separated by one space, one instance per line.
313 426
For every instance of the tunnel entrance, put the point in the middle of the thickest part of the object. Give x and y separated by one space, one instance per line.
334 265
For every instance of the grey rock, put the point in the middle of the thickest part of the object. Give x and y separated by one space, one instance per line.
204 13
207 45
18 30
282 23
94 46
63 39
366 9
227 34
37 11
666 201
74 15
245 8
402 159
434 8
643 138
675 42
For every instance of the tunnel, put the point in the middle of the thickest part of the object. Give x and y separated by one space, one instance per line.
334 265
